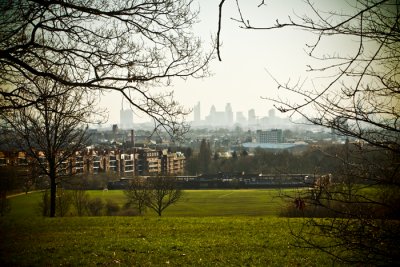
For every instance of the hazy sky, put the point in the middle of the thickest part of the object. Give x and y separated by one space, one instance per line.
241 78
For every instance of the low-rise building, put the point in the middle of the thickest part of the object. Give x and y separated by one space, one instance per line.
273 136
140 161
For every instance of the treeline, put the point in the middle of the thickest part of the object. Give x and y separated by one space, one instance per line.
326 159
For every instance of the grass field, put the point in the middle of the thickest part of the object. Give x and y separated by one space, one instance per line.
207 228
195 203
215 202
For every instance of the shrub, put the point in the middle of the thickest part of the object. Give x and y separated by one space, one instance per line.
112 208
80 200
96 206
44 204
63 202
5 206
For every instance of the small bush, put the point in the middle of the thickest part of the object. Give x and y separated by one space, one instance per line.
5 206
112 208
44 204
310 211
63 202
96 206
80 200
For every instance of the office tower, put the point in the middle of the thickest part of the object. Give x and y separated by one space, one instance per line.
196 113
271 113
252 117
240 118
126 118
228 114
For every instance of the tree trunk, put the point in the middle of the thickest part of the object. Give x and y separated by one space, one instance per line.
53 190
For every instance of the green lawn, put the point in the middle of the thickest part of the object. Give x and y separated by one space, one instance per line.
153 241
214 202
227 203
195 203
207 228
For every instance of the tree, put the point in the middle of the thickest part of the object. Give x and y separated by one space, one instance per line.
244 153
156 193
188 152
137 194
163 192
234 155
30 179
204 157
54 126
7 176
125 46
358 100
216 156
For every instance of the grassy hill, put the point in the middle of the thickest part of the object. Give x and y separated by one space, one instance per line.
207 228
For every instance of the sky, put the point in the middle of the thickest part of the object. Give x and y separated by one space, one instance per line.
241 78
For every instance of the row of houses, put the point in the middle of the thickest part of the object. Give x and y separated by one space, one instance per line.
138 161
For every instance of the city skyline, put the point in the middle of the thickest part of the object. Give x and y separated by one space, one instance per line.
249 114
242 77
214 117
127 119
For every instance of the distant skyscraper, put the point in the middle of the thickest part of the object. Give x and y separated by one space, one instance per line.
252 117
126 118
213 110
271 113
240 118
220 118
229 114
196 112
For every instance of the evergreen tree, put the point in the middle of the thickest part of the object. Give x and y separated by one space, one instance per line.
204 156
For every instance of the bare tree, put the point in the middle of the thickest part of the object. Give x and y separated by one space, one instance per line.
137 194
156 193
127 46
7 177
55 127
163 192
359 99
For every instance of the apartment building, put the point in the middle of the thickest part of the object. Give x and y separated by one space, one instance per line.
148 161
127 164
172 163
140 161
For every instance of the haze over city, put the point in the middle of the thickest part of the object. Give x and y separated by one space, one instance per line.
242 78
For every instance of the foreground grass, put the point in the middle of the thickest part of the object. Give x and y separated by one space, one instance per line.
152 241
206 228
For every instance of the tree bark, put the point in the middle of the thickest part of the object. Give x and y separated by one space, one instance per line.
53 191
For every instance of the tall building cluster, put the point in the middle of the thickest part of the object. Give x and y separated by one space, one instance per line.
227 119
220 118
